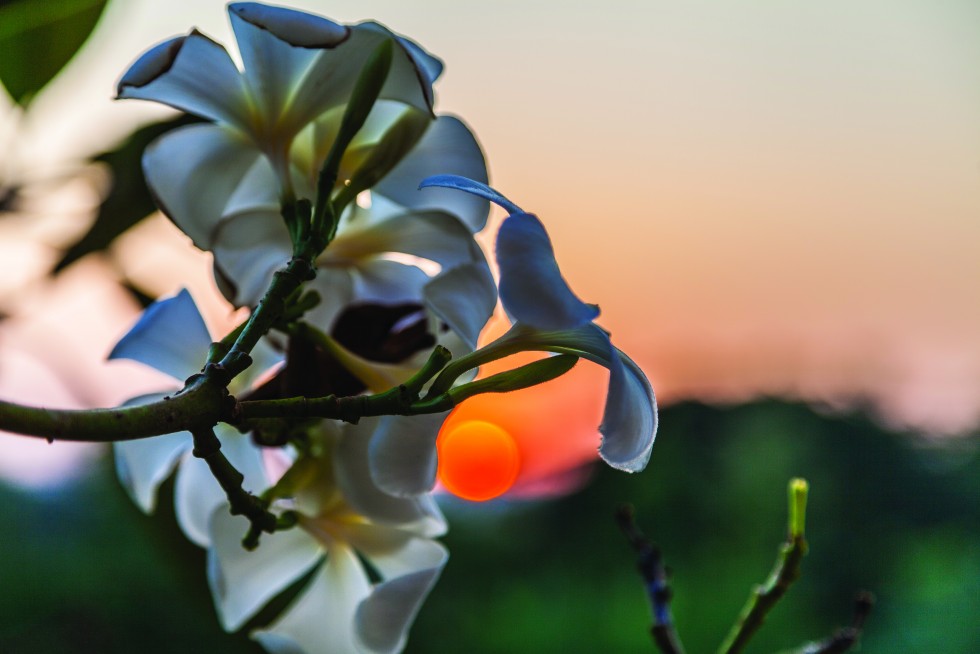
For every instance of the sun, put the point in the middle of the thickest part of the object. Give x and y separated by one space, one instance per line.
478 460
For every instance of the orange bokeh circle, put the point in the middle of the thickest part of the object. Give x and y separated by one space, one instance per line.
478 460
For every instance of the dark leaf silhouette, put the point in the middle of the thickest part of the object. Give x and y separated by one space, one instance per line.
128 200
37 39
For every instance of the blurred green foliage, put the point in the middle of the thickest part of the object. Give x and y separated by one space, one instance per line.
83 571
128 200
37 39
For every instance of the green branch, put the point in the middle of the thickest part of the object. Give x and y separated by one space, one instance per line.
200 404
784 573
205 401
398 400
403 400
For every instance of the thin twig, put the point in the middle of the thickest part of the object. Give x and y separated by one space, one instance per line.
208 447
785 571
650 565
847 637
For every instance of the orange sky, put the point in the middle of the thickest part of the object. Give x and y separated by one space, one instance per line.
763 198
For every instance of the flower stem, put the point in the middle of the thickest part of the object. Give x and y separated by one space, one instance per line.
269 310
464 364
398 400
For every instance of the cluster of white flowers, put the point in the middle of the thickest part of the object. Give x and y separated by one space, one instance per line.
365 516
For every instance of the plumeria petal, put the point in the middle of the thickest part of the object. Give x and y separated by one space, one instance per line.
331 77
321 619
193 171
380 210
471 186
531 286
433 235
256 192
248 249
297 28
464 298
434 523
170 336
245 456
410 570
430 65
278 45
382 281
413 70
629 421
402 454
191 73
242 582
352 471
196 496
143 464
448 146
249 239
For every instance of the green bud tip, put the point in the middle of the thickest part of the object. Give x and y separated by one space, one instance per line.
798 489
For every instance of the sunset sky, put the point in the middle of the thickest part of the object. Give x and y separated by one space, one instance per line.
764 198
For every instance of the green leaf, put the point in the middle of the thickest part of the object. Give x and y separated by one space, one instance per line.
37 39
129 200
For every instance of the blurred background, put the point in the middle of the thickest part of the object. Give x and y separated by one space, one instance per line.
777 207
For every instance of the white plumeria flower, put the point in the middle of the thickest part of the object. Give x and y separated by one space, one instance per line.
297 66
343 517
272 125
547 316
171 337
358 266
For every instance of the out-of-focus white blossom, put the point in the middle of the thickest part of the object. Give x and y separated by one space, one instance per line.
343 518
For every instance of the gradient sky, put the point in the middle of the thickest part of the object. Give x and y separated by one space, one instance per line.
764 198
